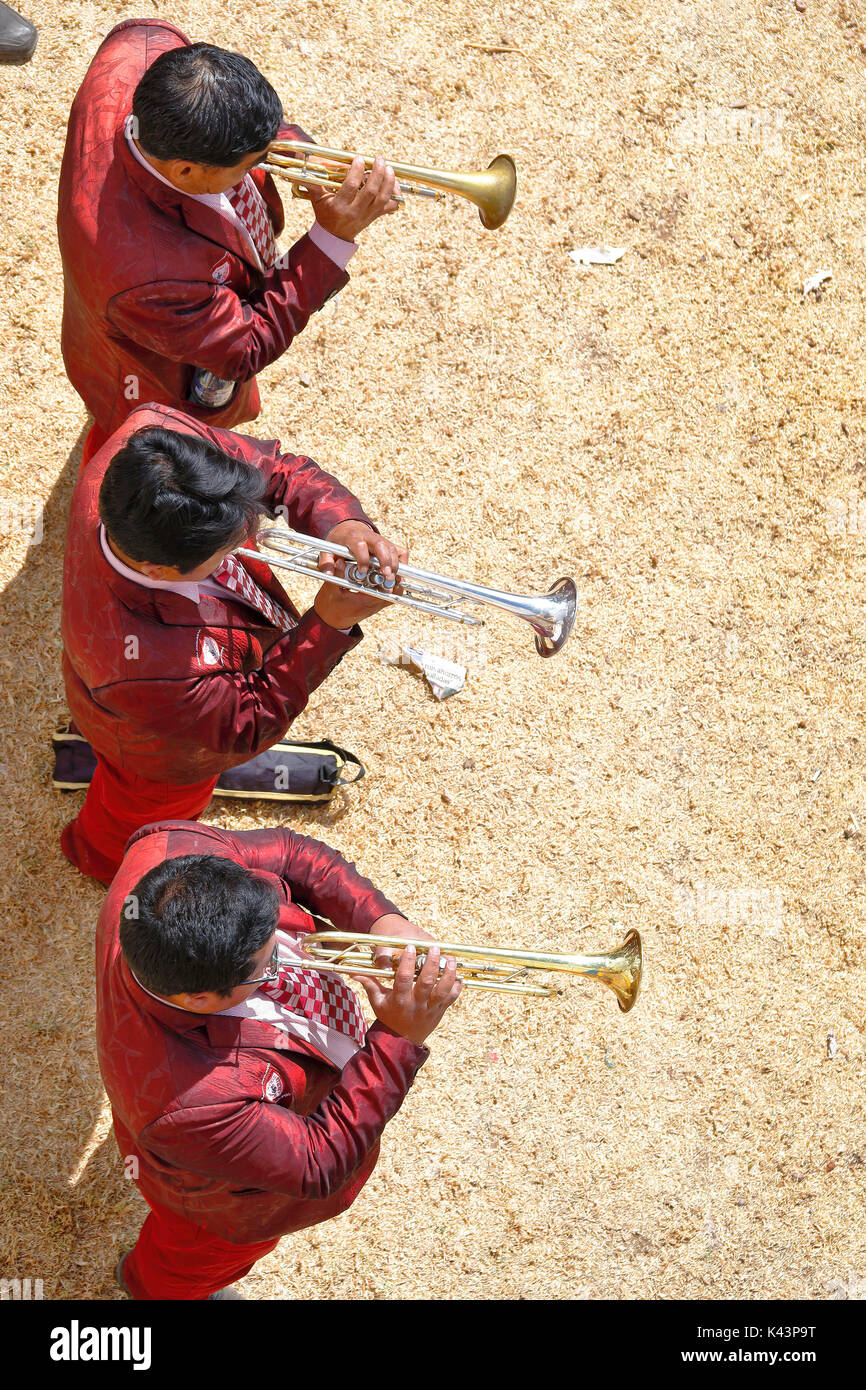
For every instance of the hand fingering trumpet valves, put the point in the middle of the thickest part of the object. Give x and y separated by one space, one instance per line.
492 190
484 967
551 615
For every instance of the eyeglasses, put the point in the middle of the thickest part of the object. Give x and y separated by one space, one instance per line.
272 971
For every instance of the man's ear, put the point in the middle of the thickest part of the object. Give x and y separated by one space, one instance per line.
180 169
167 574
197 1003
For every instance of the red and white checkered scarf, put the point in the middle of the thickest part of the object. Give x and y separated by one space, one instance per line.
235 577
323 998
252 209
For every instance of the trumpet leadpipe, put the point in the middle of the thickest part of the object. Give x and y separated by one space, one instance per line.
551 615
498 968
492 190
297 171
372 582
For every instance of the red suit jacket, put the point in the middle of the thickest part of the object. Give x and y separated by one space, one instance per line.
157 284
235 1125
176 691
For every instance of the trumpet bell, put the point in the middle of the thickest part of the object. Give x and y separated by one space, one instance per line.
623 973
553 630
494 191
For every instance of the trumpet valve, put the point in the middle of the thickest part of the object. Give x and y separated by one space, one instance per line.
372 580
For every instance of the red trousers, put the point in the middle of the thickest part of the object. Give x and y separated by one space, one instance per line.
93 442
173 1259
117 804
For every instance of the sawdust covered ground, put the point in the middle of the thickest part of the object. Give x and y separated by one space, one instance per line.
683 432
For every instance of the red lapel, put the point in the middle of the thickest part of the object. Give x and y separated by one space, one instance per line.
198 217
207 222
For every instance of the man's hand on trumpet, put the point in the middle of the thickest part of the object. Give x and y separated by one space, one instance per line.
361 199
414 1007
364 542
392 924
342 608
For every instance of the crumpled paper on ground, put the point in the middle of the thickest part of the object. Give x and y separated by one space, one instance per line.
597 255
816 281
444 677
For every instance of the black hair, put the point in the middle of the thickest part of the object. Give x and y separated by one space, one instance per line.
173 499
194 925
205 104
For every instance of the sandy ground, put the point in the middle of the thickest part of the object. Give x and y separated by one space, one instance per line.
682 431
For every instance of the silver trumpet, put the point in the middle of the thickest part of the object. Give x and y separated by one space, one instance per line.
551 616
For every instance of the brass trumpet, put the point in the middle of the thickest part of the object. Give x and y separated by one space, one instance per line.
492 190
484 967
551 615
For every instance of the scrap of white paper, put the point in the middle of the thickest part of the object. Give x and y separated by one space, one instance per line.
444 677
816 281
597 255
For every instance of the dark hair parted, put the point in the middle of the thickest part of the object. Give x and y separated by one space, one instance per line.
205 104
173 499
197 925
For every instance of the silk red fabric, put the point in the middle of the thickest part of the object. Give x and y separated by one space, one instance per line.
93 442
117 804
234 1125
155 283
174 1259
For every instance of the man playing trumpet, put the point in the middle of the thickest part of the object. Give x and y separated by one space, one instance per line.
246 1091
174 291
180 659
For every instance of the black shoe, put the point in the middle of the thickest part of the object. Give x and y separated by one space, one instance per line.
17 36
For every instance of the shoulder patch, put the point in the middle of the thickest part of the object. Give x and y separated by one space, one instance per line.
272 1085
222 270
210 653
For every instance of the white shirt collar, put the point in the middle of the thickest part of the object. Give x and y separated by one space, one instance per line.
188 590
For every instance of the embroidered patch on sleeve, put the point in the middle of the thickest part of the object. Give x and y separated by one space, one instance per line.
272 1085
210 653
